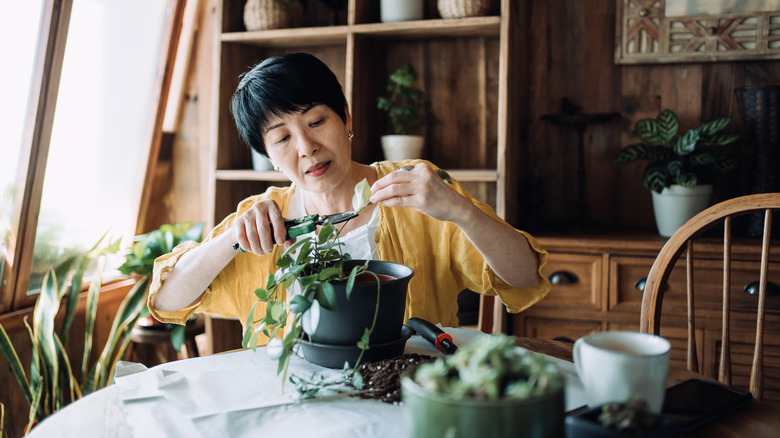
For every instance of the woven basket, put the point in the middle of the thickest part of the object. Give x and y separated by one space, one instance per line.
272 14
464 8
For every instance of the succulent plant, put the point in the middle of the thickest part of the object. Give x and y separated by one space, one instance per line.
491 368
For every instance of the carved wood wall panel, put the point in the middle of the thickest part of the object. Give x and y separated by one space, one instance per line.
646 34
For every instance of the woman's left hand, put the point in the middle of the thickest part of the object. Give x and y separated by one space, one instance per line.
420 188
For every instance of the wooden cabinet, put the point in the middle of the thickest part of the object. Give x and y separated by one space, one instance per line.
599 281
462 64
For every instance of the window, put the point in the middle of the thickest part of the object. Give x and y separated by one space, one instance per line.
73 165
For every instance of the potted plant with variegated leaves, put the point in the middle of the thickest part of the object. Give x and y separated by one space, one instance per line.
342 310
681 169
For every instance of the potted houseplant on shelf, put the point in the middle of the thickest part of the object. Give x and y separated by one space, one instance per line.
681 168
401 10
408 110
272 14
339 311
488 388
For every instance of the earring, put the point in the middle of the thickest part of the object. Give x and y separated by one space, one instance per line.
351 135
276 168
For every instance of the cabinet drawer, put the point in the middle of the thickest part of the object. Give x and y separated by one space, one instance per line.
627 272
576 282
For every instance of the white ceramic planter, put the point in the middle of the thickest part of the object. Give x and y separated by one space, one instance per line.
401 10
676 204
402 147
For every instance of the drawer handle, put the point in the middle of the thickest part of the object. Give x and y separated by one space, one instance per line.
563 277
772 289
642 283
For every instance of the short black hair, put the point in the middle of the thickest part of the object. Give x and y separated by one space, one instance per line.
282 85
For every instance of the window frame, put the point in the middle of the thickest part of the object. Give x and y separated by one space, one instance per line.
36 139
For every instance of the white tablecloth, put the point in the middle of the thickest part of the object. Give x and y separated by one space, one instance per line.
239 394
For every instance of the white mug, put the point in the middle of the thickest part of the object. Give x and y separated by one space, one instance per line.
615 367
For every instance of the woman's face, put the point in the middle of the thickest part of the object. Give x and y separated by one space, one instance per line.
311 147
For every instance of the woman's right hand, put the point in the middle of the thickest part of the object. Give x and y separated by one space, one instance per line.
259 227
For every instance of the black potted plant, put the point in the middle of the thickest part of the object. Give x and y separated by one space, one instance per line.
409 110
681 168
343 310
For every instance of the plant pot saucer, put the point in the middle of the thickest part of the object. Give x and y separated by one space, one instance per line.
334 356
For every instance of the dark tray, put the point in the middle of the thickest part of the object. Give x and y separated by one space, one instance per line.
334 356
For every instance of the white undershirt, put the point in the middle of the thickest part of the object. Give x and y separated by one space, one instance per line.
360 243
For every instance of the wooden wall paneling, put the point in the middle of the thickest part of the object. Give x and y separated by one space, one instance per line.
368 80
600 94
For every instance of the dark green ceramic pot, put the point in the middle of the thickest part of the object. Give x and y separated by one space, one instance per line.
434 415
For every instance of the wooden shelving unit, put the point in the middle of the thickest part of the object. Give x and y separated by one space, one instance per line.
463 64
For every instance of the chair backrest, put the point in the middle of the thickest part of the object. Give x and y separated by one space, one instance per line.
682 241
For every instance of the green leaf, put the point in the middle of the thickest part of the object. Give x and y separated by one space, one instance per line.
16 364
177 336
724 164
720 139
655 177
702 158
686 143
328 273
668 125
274 309
249 327
686 179
326 296
326 232
647 130
351 281
714 126
262 294
299 304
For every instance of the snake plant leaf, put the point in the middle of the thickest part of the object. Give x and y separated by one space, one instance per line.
655 177
686 143
16 365
72 385
46 309
90 314
668 124
714 126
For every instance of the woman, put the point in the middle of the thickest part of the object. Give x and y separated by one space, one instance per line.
292 109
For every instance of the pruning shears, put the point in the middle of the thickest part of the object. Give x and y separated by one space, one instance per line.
306 224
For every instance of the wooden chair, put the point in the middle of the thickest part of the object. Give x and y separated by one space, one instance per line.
682 241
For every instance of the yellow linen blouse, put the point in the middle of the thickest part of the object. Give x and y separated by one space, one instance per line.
444 262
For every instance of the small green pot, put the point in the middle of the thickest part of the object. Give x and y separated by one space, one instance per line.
436 415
